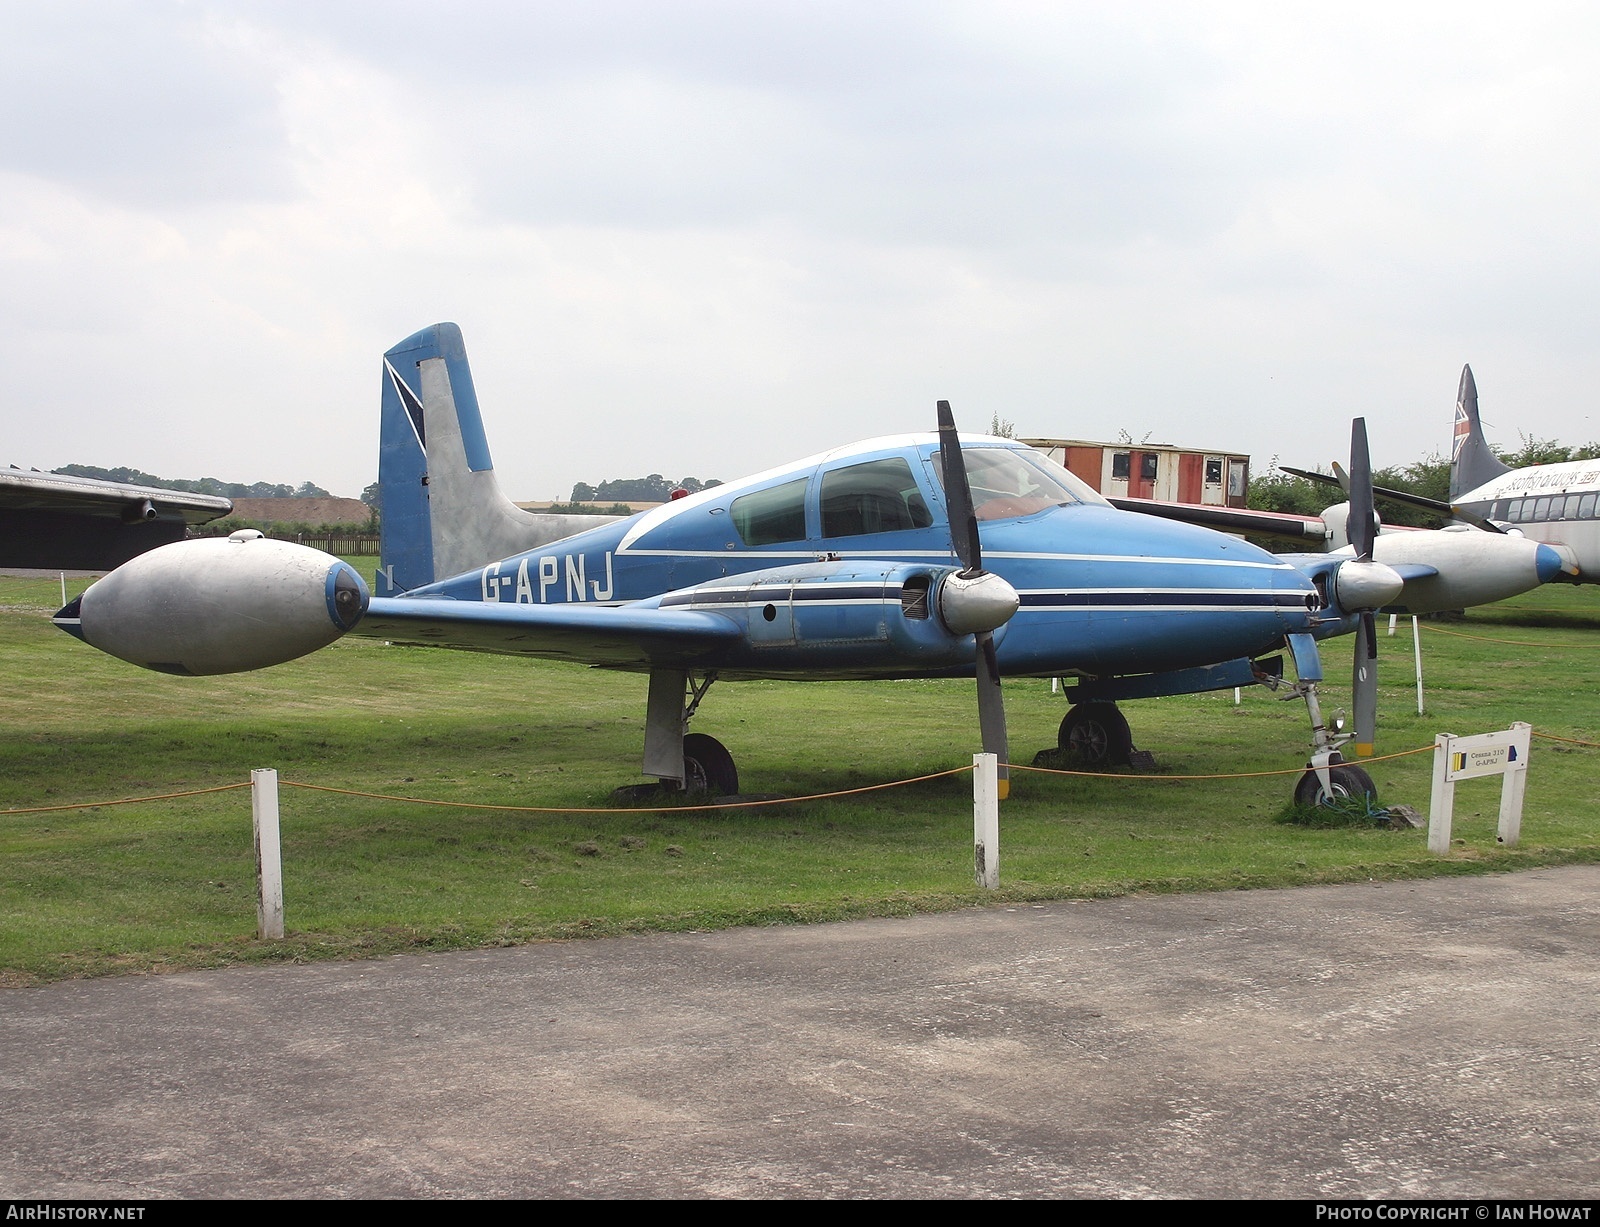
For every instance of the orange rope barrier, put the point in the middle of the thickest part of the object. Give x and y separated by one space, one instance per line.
1571 741
166 796
1521 643
821 796
1239 775
632 809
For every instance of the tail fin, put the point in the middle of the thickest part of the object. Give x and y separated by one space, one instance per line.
1471 461
443 511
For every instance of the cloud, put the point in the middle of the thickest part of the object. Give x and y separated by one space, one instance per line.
137 102
705 237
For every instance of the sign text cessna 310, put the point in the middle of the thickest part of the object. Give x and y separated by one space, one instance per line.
902 557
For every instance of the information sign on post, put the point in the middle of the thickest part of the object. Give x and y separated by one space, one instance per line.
1468 758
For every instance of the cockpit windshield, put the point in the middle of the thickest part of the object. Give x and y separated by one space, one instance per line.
1008 482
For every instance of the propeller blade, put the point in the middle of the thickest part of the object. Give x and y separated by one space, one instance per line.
1363 528
991 709
1363 532
964 539
1364 685
958 494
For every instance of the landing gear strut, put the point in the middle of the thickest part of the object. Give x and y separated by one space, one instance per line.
683 761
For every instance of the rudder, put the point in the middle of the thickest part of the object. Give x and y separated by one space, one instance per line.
1471 462
443 511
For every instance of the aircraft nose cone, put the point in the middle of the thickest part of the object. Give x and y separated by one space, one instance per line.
1548 563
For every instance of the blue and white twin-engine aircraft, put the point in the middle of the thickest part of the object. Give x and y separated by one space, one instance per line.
907 557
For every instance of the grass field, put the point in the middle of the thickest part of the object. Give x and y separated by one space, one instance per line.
169 884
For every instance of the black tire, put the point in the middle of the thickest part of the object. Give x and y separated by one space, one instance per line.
1096 734
1346 782
708 767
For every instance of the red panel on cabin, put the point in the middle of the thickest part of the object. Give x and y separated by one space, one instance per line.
1086 462
1142 474
1191 472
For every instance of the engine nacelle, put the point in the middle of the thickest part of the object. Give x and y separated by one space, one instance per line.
1473 567
845 618
219 605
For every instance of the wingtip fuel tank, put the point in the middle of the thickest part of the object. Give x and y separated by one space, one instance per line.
219 605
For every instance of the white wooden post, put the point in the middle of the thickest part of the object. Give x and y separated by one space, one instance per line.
1416 652
269 858
986 820
1442 800
1514 782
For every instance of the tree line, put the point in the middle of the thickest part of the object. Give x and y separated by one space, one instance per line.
1286 494
652 489
198 485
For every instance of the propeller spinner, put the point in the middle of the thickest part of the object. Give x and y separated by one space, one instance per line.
974 600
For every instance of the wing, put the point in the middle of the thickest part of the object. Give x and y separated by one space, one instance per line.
56 520
617 637
1231 519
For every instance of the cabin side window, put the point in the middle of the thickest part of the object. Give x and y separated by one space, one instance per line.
766 517
1586 507
879 496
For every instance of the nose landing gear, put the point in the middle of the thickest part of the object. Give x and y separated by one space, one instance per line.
1328 780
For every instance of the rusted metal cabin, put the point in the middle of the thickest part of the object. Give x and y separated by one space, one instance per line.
1154 470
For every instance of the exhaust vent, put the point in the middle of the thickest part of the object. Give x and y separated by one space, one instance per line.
914 598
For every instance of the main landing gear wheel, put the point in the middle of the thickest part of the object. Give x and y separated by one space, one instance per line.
1096 734
1346 782
708 767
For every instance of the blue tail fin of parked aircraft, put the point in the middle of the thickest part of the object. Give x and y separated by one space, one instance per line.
443 511
1471 462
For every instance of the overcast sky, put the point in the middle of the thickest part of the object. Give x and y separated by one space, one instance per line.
705 238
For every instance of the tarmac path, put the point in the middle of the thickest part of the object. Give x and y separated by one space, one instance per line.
1388 1040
